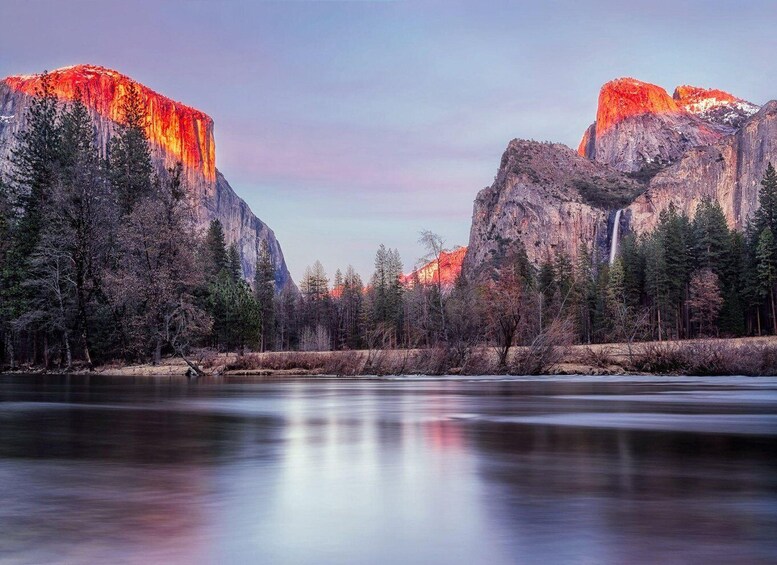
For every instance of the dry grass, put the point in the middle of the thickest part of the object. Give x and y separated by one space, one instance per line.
546 355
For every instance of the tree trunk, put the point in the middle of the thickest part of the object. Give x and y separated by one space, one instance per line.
87 354
68 352
658 312
158 352
45 351
502 352
83 321
193 366
9 349
774 318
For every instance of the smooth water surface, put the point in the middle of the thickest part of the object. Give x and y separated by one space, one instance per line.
440 470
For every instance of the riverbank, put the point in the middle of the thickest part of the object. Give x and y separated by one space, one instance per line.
737 356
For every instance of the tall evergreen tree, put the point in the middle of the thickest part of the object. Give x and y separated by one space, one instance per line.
351 309
711 236
674 237
733 278
6 307
766 214
129 155
214 250
234 264
264 292
767 271
35 165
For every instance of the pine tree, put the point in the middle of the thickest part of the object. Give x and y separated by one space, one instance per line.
711 236
766 214
656 282
767 271
234 264
35 162
586 296
129 156
674 237
214 250
6 309
337 283
564 277
386 298
351 308
633 270
733 286
264 292
316 309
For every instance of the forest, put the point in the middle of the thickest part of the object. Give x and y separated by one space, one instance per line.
101 260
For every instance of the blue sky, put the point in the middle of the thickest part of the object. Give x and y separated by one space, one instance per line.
346 125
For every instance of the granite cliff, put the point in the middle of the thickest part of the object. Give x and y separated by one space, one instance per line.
177 133
639 127
551 199
729 171
646 151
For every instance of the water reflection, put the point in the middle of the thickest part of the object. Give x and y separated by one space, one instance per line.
384 471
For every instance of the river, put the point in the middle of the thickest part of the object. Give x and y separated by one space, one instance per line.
405 470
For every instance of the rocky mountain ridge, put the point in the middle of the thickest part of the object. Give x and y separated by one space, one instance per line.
646 151
551 199
639 126
177 133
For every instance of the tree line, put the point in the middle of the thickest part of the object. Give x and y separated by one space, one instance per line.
101 259
687 278
100 256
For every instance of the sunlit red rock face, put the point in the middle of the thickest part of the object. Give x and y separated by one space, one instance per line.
716 107
446 274
623 98
185 133
177 133
639 126
687 95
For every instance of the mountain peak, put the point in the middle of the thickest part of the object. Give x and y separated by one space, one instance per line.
184 132
625 97
713 105
687 94
655 129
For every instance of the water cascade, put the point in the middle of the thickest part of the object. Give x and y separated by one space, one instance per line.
616 225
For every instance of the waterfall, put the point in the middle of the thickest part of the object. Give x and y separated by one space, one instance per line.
616 226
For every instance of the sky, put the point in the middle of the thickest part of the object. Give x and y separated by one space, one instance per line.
345 125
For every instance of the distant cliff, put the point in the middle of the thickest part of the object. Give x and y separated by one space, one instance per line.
646 151
176 133
729 171
549 198
445 271
638 125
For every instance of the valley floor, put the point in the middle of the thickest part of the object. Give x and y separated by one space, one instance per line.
735 356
